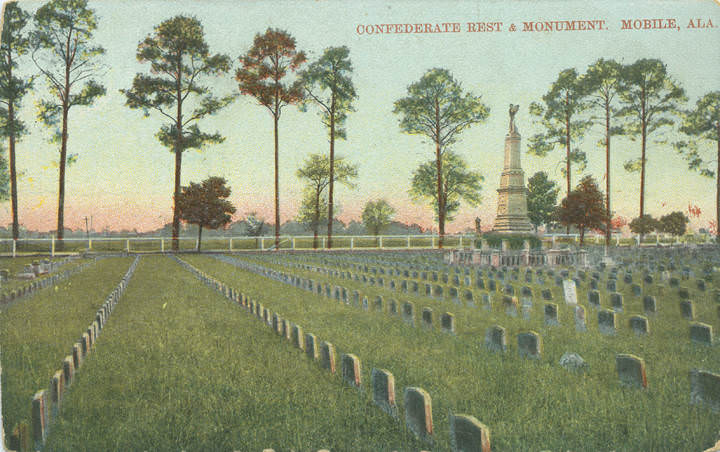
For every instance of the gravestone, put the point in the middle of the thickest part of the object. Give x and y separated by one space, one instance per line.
593 284
427 317
509 290
649 304
327 356
639 324
68 370
547 294
428 290
378 304
486 301
616 300
409 313
468 434
453 294
701 285
415 287
636 290
687 310
701 333
611 285
365 304
438 291
705 389
510 305
495 338
447 322
492 285
418 413
607 321
351 371
551 314
530 345
573 362
383 385
393 307
580 318
298 338
570 292
631 370
683 293
594 298
311 346
468 297
480 283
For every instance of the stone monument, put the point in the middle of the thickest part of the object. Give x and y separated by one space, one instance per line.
512 215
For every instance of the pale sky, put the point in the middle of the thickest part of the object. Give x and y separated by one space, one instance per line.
124 177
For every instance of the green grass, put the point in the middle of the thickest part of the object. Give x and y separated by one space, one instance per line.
179 367
17 264
527 405
39 332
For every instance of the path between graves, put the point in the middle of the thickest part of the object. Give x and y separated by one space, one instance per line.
501 388
38 333
180 368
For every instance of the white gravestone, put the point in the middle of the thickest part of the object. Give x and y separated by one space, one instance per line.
570 291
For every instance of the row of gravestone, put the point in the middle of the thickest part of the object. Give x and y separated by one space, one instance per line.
16 294
46 402
607 319
630 369
466 432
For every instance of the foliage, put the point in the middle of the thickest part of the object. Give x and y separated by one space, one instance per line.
583 208
205 204
541 198
459 184
377 215
14 44
558 114
618 222
674 223
644 225
437 107
4 176
650 101
255 224
313 210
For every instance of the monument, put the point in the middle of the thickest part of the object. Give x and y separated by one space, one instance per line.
512 217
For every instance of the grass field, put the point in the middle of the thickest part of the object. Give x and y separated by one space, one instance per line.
527 405
39 332
178 367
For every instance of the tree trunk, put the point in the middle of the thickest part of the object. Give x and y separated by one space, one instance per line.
316 222
61 178
176 211
582 236
642 168
438 164
567 150
717 183
13 173
200 228
332 172
277 185
607 175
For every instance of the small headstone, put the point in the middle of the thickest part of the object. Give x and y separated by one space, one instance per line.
573 362
530 345
547 294
468 434
639 324
486 301
631 370
611 285
649 304
495 338
408 313
365 304
683 293
616 300
705 389
351 372
383 384
311 346
68 370
594 298
327 356
297 337
418 413
468 297
636 290
570 291
393 307
701 333
447 322
492 285
607 321
438 291
427 317
687 310
551 314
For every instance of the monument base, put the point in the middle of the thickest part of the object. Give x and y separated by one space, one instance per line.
513 224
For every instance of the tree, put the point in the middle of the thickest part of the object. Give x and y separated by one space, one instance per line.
13 45
702 124
313 212
650 100
583 208
255 224
644 225
318 173
601 83
559 116
541 199
264 67
4 176
205 204
328 84
674 223
458 184
179 58
377 215
68 60
438 108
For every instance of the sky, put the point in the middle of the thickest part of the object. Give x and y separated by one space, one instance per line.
123 177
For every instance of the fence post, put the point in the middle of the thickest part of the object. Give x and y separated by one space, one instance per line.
230 244
52 246
89 243
127 245
292 243
380 242
408 241
162 245
432 241
262 244
323 243
14 247
351 242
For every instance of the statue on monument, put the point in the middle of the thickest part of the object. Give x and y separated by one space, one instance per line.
513 110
